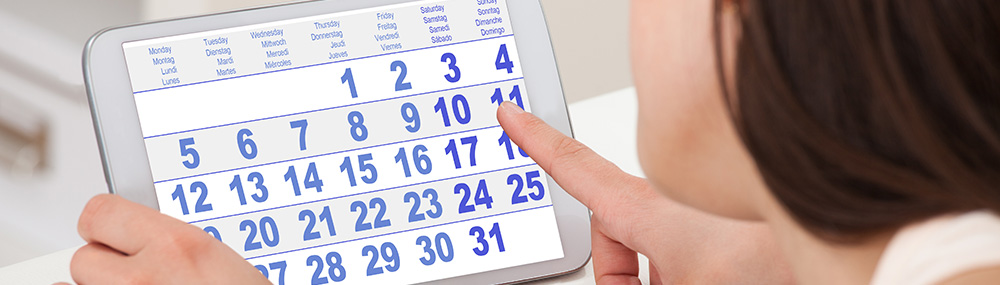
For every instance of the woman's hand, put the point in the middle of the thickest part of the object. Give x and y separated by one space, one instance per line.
128 243
683 245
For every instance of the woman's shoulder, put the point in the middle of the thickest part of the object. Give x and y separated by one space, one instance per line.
954 248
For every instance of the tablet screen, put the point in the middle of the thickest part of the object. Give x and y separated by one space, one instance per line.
354 147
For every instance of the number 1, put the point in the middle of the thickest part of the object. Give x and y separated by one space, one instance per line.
349 79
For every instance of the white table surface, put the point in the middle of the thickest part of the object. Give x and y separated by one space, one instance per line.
606 123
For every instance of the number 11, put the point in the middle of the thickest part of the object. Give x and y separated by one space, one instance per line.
515 95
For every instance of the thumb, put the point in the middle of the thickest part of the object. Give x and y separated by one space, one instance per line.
580 171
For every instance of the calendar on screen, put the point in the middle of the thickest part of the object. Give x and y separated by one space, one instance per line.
355 147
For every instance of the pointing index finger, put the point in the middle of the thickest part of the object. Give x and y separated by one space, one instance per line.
587 176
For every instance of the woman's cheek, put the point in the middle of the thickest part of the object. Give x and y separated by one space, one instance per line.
669 144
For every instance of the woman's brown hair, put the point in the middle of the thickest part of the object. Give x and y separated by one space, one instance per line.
866 115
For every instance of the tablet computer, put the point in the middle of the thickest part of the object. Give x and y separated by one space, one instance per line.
348 141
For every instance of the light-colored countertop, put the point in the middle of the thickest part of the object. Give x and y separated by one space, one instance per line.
606 123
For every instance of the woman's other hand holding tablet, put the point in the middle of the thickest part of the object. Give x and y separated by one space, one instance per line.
683 245
128 243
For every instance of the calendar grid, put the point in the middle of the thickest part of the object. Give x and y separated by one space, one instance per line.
334 108
401 100
364 193
321 64
327 154
404 231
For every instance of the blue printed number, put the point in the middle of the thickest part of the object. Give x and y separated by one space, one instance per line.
358 130
482 197
519 182
411 116
503 60
214 232
413 197
459 107
247 147
200 205
312 179
456 73
268 233
389 254
279 266
336 271
348 79
452 149
507 143
364 165
188 150
443 245
325 216
376 204
301 125
258 181
420 160
400 82
484 245
515 95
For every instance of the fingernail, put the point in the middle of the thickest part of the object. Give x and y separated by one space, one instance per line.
511 107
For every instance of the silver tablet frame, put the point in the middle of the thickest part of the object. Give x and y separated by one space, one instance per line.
123 152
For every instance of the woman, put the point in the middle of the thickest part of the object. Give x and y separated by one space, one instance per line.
838 142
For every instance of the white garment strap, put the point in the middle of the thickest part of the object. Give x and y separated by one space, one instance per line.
941 248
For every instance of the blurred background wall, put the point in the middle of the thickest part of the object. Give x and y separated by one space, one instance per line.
49 162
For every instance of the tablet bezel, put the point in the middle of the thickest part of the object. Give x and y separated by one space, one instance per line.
123 152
